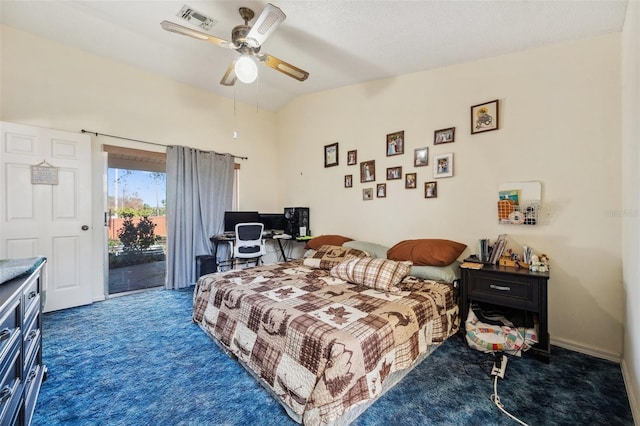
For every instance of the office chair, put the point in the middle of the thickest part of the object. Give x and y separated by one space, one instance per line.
249 243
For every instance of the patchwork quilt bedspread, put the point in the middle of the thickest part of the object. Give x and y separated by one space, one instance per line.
321 344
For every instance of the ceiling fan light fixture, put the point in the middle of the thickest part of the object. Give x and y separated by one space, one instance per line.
246 69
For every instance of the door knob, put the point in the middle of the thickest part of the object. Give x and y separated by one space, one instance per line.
85 227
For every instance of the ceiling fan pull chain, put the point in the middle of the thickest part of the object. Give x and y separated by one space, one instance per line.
234 135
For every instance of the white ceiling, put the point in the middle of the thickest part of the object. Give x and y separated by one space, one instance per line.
339 43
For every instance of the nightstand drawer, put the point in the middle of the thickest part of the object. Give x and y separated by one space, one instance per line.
521 292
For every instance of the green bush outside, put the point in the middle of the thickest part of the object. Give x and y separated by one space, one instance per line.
135 240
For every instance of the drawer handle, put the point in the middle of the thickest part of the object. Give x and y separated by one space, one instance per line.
499 287
32 335
31 376
5 334
32 294
5 394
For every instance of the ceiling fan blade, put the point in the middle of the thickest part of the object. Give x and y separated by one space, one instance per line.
283 67
179 29
270 18
229 77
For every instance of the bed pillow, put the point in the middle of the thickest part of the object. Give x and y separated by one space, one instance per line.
333 240
379 274
427 252
374 250
328 256
447 273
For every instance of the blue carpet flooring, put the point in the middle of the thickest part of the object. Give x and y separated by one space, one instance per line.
140 360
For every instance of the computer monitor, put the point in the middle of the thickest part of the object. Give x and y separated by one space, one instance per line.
272 221
233 218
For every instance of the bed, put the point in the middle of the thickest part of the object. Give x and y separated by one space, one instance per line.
326 347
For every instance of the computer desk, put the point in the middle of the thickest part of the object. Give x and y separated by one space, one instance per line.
231 238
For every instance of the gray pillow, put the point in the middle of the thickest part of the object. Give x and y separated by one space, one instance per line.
375 250
447 273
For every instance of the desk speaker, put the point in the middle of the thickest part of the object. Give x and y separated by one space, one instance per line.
294 218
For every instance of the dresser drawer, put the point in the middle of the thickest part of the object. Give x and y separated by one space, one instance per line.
32 381
515 292
9 327
10 386
31 299
31 339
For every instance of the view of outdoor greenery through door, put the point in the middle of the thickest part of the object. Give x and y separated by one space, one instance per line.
137 229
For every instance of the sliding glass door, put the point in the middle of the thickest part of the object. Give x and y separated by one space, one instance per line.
137 231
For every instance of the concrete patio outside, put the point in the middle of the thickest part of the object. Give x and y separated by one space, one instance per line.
137 277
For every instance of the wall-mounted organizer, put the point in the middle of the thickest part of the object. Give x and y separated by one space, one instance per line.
519 202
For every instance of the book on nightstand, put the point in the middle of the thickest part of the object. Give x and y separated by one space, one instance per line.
471 265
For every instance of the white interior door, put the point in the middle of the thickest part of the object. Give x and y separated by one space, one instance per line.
51 220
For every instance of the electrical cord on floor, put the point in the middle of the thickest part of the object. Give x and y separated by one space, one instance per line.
481 364
496 400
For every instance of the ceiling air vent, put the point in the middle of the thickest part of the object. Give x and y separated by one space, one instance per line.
196 18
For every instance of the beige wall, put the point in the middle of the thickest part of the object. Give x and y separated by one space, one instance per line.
50 85
560 125
631 202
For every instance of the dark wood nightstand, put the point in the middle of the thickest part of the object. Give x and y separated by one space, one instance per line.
511 288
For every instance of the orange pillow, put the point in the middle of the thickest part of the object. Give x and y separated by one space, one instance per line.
427 252
324 240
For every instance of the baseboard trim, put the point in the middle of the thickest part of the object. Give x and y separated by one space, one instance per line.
598 353
631 393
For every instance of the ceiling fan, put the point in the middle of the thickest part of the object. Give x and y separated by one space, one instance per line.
247 40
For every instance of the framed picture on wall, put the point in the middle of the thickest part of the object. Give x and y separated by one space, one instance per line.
484 117
394 173
430 189
367 194
443 165
348 181
352 157
395 143
444 136
331 155
368 171
381 190
421 157
410 180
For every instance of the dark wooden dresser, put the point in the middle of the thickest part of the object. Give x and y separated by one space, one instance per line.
509 287
21 368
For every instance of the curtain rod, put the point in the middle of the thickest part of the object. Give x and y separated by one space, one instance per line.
150 143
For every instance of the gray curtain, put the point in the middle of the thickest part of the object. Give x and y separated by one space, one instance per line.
199 191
